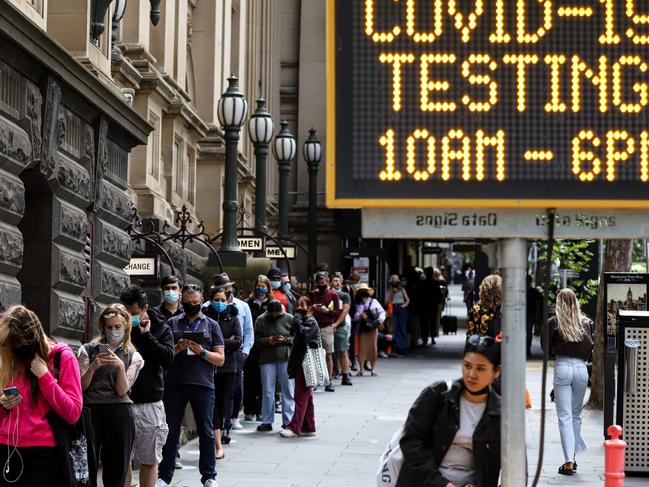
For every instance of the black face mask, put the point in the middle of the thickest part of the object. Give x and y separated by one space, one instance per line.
191 309
26 352
322 288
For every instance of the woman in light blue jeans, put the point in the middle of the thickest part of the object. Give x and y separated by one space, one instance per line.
571 343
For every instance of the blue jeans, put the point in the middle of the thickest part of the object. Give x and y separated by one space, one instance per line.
269 375
400 328
570 383
201 399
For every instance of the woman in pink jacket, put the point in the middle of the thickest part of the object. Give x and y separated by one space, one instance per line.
29 392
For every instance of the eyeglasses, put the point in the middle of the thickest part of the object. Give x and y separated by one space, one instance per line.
480 341
192 287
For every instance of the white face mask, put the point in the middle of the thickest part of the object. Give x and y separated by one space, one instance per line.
115 336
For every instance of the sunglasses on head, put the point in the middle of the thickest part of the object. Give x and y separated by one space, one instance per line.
112 314
192 287
480 341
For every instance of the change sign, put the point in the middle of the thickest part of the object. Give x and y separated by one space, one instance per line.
488 103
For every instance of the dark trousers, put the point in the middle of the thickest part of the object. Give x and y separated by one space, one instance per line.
304 415
352 342
201 399
41 467
252 384
114 437
223 385
425 321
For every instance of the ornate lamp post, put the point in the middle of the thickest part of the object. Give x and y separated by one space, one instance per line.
260 128
312 151
285 150
232 109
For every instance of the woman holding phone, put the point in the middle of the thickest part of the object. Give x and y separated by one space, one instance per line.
28 455
109 367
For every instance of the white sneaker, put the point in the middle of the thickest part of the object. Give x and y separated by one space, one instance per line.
236 424
161 483
210 483
287 433
382 354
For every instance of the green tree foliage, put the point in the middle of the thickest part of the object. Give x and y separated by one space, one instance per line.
567 254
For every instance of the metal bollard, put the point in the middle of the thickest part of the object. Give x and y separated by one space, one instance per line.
614 450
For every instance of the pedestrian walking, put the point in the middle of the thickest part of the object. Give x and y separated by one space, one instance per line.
342 328
109 367
154 341
571 343
370 315
468 286
396 295
326 310
31 392
199 347
485 317
451 437
306 334
224 378
273 338
258 302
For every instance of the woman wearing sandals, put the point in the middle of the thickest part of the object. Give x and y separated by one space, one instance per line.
570 341
370 315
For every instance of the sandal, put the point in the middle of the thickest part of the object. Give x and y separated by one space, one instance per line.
359 373
563 470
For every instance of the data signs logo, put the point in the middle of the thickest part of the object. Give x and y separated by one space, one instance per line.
490 103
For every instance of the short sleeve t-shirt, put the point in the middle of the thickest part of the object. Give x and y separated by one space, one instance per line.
457 465
192 369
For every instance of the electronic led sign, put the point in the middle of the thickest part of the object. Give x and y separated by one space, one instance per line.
501 103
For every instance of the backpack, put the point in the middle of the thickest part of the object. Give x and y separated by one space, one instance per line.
392 459
75 444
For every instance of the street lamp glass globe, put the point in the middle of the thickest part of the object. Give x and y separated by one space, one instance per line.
285 145
232 107
260 126
312 149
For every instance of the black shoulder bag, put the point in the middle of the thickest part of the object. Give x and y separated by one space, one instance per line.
75 444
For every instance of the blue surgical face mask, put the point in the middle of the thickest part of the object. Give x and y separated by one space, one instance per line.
275 284
114 337
261 291
171 297
286 287
135 320
219 307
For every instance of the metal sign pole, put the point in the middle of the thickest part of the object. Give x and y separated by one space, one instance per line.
512 430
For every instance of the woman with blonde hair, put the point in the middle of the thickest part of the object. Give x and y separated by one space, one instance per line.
484 317
31 392
109 367
571 343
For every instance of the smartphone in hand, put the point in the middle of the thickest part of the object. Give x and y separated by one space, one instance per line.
101 348
11 391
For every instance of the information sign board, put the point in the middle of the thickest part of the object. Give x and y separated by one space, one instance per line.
142 266
276 252
251 243
487 103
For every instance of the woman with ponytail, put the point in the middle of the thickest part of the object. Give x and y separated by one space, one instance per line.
571 343
30 392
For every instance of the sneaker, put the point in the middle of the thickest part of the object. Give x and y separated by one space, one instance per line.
330 388
210 483
382 354
307 433
161 483
262 428
178 465
287 433
236 424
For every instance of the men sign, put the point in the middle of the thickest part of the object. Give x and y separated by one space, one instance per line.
489 103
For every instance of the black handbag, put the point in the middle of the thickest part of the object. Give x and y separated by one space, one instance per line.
371 323
75 444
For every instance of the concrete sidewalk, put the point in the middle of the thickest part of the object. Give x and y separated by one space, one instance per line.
355 424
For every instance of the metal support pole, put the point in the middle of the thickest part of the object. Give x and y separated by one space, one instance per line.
313 208
513 447
284 170
230 243
261 156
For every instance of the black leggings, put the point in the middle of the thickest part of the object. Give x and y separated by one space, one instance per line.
114 436
40 467
223 384
252 384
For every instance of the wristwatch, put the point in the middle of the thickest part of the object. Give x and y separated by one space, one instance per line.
204 354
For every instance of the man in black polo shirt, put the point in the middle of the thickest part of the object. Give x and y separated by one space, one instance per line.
199 347
153 339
